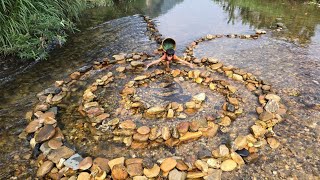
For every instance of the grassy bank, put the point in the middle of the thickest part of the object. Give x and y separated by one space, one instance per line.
29 28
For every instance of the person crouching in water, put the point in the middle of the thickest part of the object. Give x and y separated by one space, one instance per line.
168 56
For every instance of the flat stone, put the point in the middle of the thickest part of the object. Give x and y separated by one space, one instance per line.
153 172
258 131
73 161
83 176
225 121
224 151
154 133
102 163
274 143
119 172
139 78
175 72
128 124
136 63
214 174
183 127
181 165
272 106
233 101
168 164
143 130
123 132
116 161
140 178
194 175
55 143
265 116
86 163
136 57
177 175
165 131
33 126
190 105
204 153
45 168
119 57
237 158
140 137
214 163
170 113
75 75
121 69
90 104
228 165
128 91
133 161
138 145
199 97
135 169
237 77
240 142
190 135
273 97
155 110
45 133
216 66
201 165
213 60
62 152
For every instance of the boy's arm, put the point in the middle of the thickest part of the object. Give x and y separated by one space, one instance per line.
183 62
154 62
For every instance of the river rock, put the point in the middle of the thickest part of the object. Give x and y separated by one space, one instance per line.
62 152
154 133
240 142
175 133
190 105
274 143
181 165
121 69
233 101
272 106
216 66
228 165
202 166
128 124
214 163
195 175
73 162
123 132
258 131
213 60
165 131
119 57
225 121
33 126
128 91
88 96
102 163
75 75
153 172
116 161
86 163
140 178
119 172
237 158
168 164
143 130
45 168
177 175
190 135
273 97
199 97
265 116
204 153
175 72
140 137
139 78
237 77
135 169
83 176
45 133
170 113
55 143
183 127
155 110
136 63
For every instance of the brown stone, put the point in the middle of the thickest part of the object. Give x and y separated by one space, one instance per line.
172 142
225 121
140 137
133 161
55 143
168 164
121 69
154 133
128 124
190 136
135 169
45 133
233 101
259 110
102 163
84 176
101 117
175 72
165 131
128 91
194 126
183 127
33 126
240 142
86 163
201 165
274 143
265 116
181 165
195 174
138 145
153 172
216 66
143 130
228 165
237 158
251 87
119 172
62 152
45 168
116 161
75 75
258 131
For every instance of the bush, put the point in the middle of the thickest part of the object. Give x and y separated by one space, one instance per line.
30 27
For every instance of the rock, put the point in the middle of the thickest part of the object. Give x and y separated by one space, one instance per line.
199 97
62 152
137 64
121 69
202 166
133 161
214 163
272 106
177 175
243 152
75 75
119 57
155 110
273 97
55 143
190 135
138 145
59 83
86 163
259 110
73 161
33 126
90 104
175 72
128 91
237 77
153 172
140 178
170 113
116 161
45 133
135 169
233 101
195 175
175 133
88 96
213 60
119 172
139 78
123 132
154 133
102 163
199 80
194 126
258 131
190 105
230 107
240 142
83 176
168 164
181 165
216 66
165 131
212 86
274 143
183 127
265 116
143 130
140 137
228 165
237 158
224 151
128 124
45 168
225 121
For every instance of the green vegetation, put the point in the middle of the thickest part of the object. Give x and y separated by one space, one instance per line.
30 27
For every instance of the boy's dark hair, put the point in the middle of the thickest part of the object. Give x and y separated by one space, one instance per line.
170 52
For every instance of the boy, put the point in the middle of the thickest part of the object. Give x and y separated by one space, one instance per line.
167 57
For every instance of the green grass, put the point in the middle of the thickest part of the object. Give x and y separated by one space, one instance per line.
29 28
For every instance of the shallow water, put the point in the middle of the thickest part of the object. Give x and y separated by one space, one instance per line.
288 59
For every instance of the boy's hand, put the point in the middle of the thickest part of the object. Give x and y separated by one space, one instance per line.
191 65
